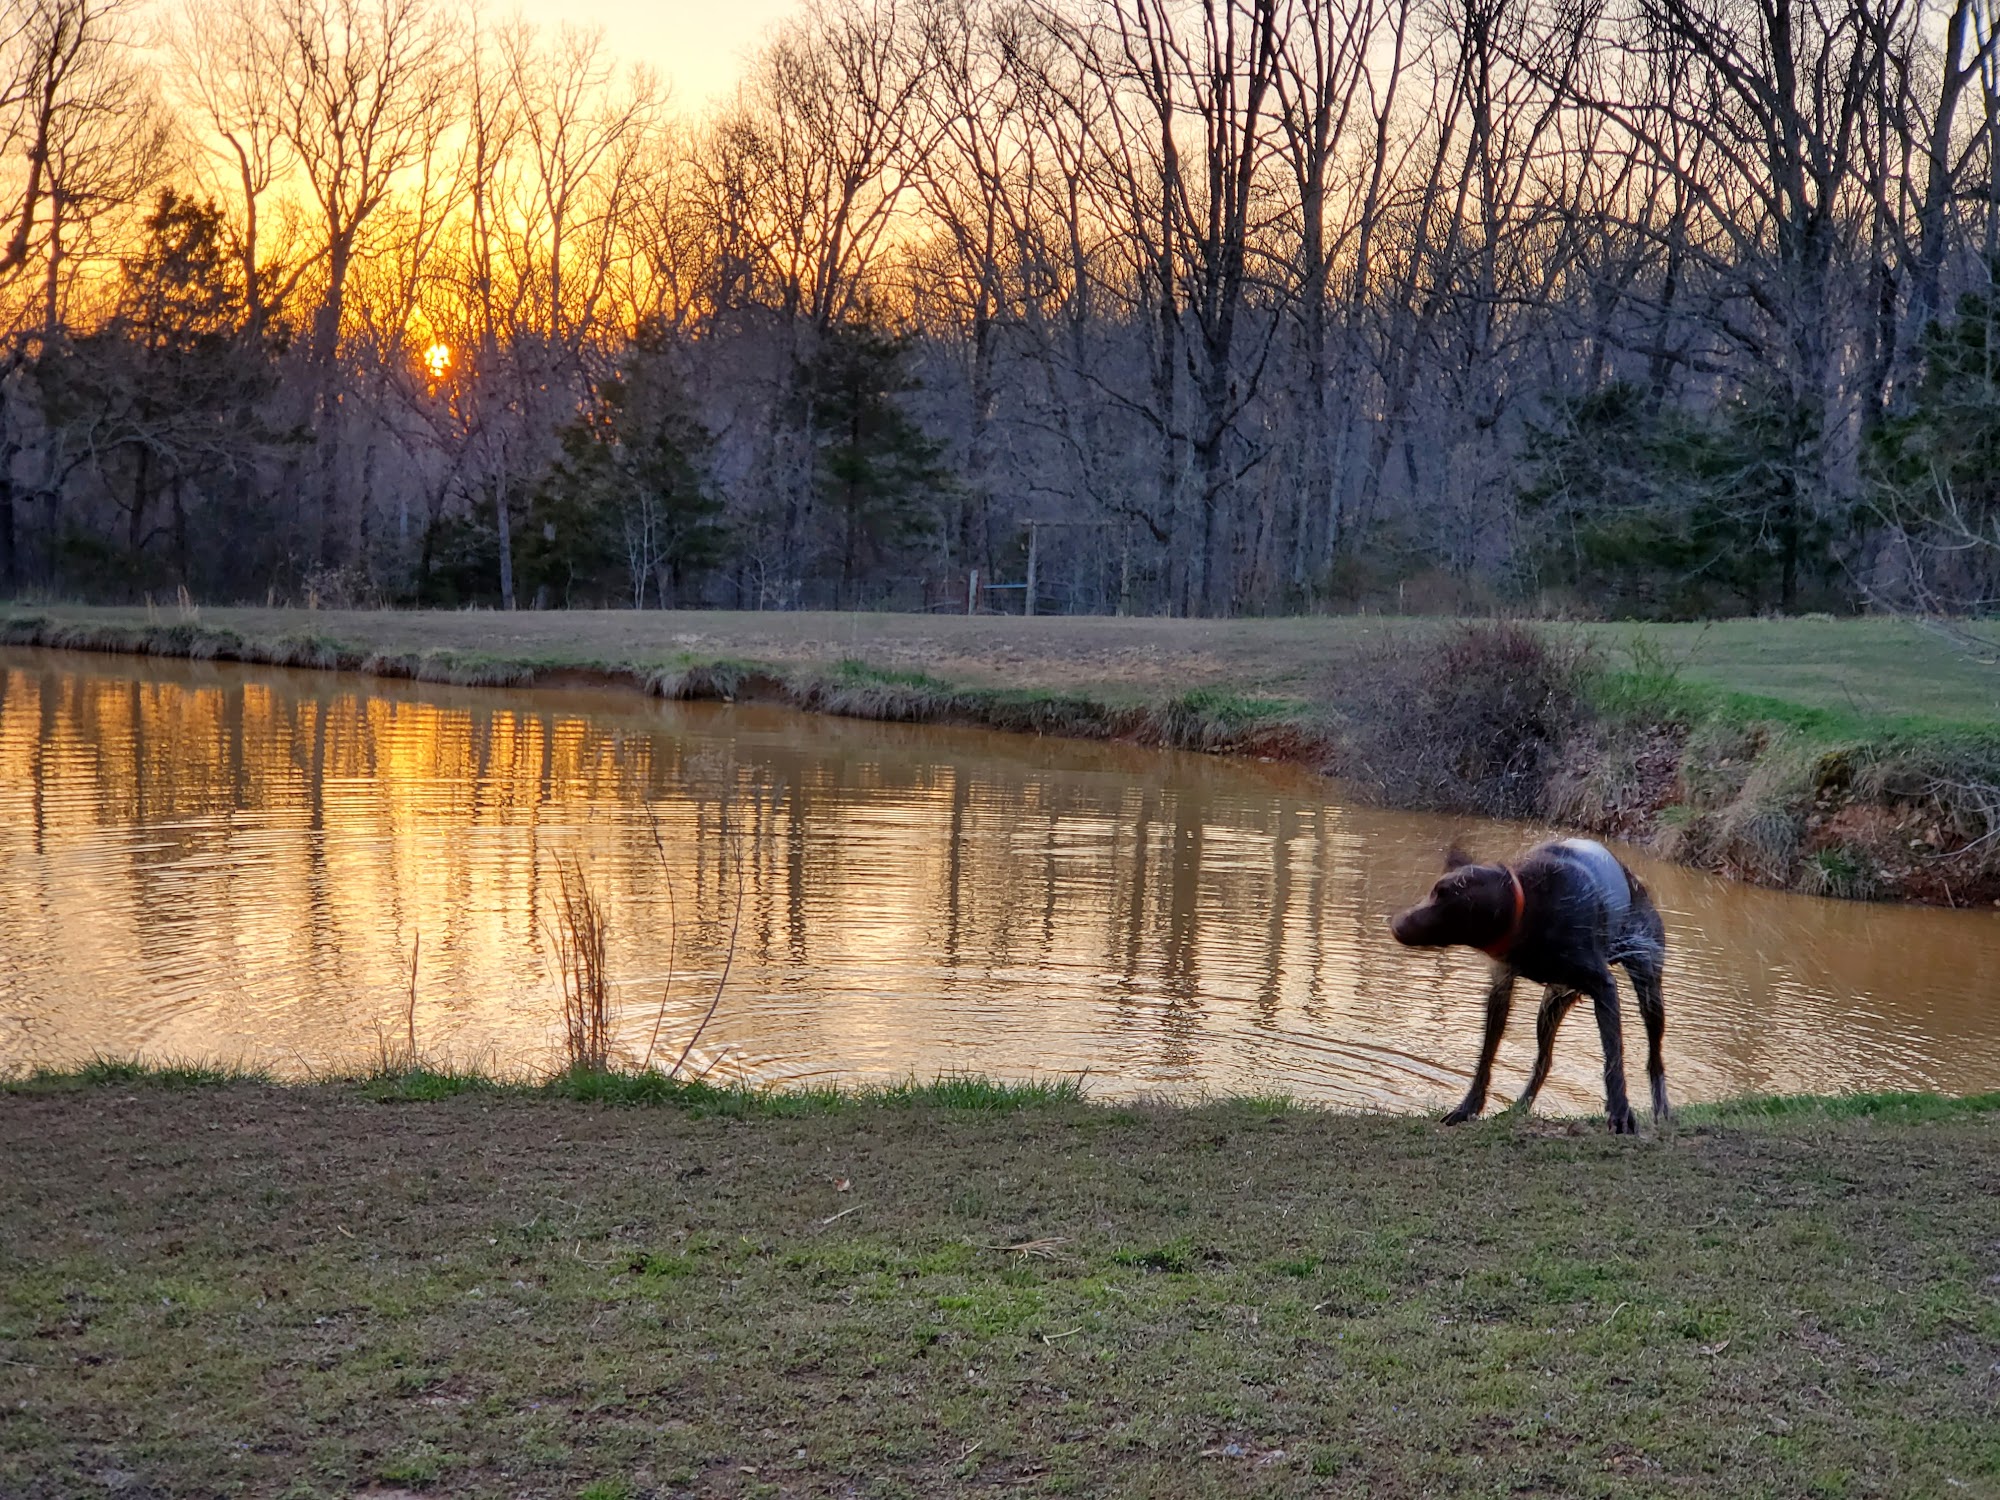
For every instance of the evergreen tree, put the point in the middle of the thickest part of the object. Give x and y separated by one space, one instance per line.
629 497
876 472
1936 465
1648 509
163 398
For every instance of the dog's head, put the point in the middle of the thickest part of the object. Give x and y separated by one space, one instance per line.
1472 904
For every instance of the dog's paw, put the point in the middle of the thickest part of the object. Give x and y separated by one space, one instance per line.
1623 1122
1460 1115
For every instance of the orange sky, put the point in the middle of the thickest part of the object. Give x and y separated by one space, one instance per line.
698 46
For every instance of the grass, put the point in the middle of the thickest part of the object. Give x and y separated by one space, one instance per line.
1866 671
427 1082
101 1072
962 1287
1200 683
1891 1106
1841 800
1856 673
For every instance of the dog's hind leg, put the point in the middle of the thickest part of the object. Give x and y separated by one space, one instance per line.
1556 1004
1499 1001
1603 991
1653 1011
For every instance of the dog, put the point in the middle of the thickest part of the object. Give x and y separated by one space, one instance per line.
1559 917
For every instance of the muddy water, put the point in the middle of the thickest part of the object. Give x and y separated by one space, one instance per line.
201 861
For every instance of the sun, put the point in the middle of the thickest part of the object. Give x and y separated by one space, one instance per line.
437 359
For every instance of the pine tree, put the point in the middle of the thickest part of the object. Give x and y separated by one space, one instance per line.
1645 508
876 471
165 395
630 490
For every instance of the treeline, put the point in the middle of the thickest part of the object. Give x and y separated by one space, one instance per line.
1618 306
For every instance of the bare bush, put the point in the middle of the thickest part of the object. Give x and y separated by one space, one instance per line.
1468 719
1958 785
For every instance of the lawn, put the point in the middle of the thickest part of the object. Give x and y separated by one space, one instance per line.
256 1290
1869 668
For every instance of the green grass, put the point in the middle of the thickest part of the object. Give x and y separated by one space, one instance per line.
1898 1107
853 669
1844 674
951 1091
104 1071
428 1082
958 1288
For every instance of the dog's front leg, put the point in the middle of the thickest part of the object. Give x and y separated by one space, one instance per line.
1499 1001
1555 1005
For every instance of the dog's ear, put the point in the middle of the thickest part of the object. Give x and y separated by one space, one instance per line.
1456 858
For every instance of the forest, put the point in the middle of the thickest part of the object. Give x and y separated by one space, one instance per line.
1607 308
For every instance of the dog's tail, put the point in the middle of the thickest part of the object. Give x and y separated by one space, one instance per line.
1640 895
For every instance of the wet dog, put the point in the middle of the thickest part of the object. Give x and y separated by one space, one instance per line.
1559 917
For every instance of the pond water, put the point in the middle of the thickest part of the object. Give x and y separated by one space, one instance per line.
200 861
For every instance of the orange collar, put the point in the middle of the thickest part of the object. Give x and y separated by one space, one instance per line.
1500 949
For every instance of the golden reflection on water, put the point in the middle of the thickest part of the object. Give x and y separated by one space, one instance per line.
203 861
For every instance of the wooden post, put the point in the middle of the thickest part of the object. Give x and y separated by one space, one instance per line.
972 592
1034 538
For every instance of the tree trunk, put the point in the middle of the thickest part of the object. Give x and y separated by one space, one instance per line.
504 526
10 557
176 490
135 535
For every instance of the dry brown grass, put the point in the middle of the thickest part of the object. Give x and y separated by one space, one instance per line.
578 932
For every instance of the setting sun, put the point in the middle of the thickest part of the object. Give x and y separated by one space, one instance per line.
437 360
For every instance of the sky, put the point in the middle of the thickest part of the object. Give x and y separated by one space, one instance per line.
698 46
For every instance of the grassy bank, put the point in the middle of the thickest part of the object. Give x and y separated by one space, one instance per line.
211 1286
1854 758
1871 670
1865 800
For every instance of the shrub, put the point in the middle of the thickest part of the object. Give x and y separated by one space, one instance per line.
1468 719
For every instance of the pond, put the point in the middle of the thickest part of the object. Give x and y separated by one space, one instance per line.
244 865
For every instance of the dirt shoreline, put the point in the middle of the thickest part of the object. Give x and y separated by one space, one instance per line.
1751 789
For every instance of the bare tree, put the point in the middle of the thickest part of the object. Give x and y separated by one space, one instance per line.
229 66
366 86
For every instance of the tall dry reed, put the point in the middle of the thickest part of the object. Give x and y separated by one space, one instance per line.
401 1056
673 939
579 933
